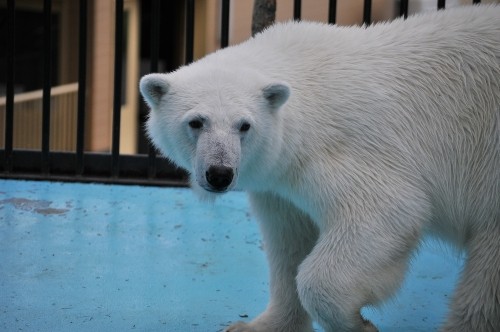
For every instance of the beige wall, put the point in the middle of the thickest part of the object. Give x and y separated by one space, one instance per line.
130 117
68 50
349 12
207 35
101 55
101 77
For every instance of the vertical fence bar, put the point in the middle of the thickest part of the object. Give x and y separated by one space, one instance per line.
189 31
155 53
82 85
47 27
367 12
441 4
117 93
9 107
297 9
476 1
332 12
403 9
155 35
224 35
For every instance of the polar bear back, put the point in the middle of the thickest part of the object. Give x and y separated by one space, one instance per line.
421 95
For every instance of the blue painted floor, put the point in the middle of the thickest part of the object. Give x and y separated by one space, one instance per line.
89 257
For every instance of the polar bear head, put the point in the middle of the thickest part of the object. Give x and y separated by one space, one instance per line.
223 125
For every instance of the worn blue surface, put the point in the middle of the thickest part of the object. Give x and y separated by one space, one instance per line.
88 257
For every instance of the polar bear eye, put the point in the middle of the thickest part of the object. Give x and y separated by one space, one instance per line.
195 124
245 127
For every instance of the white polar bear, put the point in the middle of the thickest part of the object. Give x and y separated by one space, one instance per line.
352 143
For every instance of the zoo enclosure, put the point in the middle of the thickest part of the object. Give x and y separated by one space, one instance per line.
50 162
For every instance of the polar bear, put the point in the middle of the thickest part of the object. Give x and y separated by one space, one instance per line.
352 142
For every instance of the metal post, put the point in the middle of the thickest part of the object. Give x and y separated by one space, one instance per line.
82 85
189 31
224 39
155 52
47 27
117 94
332 12
9 107
367 12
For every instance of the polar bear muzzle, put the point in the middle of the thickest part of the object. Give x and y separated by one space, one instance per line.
219 178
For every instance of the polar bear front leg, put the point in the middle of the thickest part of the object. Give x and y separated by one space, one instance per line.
356 262
289 236
476 302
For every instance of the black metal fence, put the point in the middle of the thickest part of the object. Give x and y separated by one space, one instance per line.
110 167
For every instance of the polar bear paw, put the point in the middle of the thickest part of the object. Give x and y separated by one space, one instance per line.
249 327
240 327
368 326
256 327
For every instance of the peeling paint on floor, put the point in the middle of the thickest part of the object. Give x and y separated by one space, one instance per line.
37 206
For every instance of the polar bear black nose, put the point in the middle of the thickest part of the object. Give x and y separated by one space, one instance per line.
219 177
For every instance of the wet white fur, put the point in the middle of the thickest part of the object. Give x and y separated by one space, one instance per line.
361 141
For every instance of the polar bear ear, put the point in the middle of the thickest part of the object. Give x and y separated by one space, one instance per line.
276 94
153 87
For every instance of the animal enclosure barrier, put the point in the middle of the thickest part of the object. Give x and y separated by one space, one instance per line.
43 132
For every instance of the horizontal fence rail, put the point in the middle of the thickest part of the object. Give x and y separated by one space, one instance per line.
28 119
46 160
